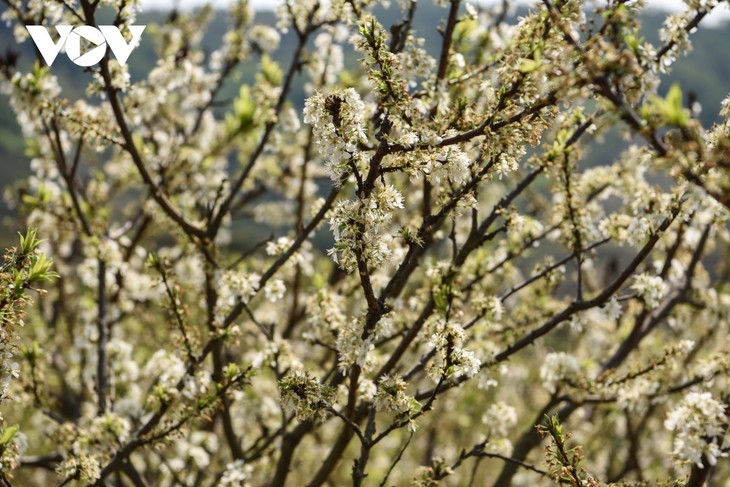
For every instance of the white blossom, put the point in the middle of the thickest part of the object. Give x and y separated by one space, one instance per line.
699 423
651 289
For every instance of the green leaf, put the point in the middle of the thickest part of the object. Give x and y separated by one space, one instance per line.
676 113
40 269
244 108
634 41
153 260
8 435
671 109
441 298
270 70
29 242
32 148
527 66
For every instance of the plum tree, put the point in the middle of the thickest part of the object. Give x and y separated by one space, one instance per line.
394 282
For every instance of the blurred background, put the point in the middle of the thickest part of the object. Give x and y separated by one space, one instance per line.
705 72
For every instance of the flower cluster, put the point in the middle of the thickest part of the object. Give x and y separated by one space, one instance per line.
700 423
361 228
306 396
391 395
651 289
337 122
238 287
557 368
448 339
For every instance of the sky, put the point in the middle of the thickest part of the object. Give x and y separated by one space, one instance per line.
720 14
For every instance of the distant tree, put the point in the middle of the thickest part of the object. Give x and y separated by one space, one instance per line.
481 276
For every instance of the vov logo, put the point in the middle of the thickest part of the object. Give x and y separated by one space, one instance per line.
71 37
